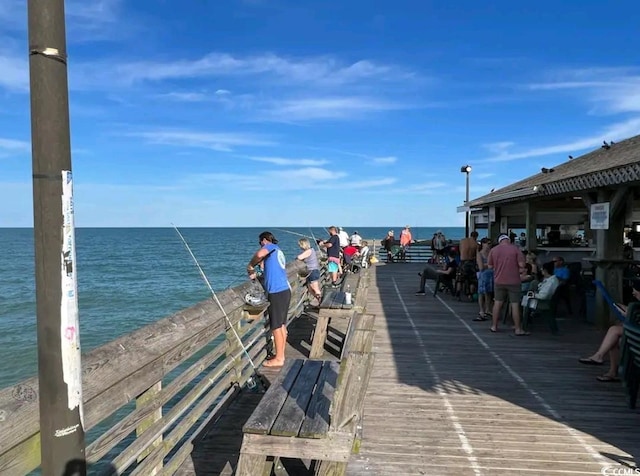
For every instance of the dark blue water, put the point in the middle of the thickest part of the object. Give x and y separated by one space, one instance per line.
130 277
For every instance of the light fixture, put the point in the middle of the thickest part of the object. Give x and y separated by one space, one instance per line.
466 169
535 188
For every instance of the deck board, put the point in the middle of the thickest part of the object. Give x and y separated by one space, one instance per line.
447 397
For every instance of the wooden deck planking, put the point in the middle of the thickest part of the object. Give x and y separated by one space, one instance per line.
448 397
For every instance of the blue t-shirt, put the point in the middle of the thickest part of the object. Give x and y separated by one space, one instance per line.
562 273
275 273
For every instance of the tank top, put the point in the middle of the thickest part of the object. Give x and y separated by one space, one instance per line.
312 261
275 274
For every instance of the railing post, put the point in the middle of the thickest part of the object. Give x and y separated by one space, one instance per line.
143 400
233 346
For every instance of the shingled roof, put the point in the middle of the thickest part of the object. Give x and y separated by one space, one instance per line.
618 164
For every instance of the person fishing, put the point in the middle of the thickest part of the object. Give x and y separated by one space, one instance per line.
271 259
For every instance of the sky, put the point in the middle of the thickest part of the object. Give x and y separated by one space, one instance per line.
307 113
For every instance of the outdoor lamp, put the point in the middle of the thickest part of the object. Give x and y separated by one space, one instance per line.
466 169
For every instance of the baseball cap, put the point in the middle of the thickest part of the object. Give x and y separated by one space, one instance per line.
503 237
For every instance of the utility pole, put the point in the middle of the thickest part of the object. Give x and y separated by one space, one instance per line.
59 369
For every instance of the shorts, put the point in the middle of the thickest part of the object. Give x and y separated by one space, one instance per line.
279 308
333 267
485 282
502 291
469 269
314 275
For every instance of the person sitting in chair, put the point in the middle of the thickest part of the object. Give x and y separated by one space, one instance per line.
611 345
540 299
447 274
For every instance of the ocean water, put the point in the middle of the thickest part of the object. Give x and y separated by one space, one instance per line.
131 277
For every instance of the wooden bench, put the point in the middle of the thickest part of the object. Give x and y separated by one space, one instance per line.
333 306
313 411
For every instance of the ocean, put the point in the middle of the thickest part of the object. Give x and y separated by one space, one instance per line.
131 277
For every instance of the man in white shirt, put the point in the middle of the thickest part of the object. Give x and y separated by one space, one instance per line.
344 237
356 239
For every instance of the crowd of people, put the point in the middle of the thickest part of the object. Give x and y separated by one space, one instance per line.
497 274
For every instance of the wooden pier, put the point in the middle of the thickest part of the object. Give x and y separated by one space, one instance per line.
446 397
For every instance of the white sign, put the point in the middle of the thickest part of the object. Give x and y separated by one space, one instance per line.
599 216
69 322
492 214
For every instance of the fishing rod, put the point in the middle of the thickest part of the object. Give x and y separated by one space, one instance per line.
292 232
251 383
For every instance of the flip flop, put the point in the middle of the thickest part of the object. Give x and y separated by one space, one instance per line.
589 361
479 318
521 334
493 330
607 378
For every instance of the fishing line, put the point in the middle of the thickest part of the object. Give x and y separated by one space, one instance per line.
250 382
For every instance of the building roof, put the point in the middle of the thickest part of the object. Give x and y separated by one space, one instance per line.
615 165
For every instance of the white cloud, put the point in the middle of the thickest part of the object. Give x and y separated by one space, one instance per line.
384 160
323 70
185 96
427 186
327 108
12 145
617 131
610 90
285 162
15 73
208 140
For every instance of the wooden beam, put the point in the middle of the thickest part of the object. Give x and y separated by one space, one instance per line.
335 447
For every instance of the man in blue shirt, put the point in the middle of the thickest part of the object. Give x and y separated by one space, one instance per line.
561 271
271 259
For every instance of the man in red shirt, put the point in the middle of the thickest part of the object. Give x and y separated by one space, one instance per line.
507 262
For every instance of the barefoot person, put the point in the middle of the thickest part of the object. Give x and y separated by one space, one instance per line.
271 258
611 345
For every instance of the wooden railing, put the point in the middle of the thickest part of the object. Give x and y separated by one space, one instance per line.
416 253
148 393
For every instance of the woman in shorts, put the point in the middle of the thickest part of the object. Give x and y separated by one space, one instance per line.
310 258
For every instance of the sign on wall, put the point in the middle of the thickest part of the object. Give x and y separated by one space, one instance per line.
599 216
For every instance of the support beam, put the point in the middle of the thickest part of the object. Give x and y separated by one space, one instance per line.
59 371
494 227
609 246
531 226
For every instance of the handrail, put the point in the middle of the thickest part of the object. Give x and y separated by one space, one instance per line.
189 356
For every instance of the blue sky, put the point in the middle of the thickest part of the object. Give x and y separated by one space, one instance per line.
283 113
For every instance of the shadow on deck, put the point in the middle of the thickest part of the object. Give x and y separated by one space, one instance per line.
449 397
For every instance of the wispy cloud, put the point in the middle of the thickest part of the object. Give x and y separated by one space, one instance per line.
617 131
15 73
384 160
314 70
223 141
286 162
427 187
609 90
327 108
13 146
185 96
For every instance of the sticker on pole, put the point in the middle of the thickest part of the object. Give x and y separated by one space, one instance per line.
69 321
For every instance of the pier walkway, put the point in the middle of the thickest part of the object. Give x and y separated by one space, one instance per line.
448 397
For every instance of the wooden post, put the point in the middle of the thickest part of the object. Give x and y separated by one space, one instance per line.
142 401
609 245
494 227
59 371
233 346
531 225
